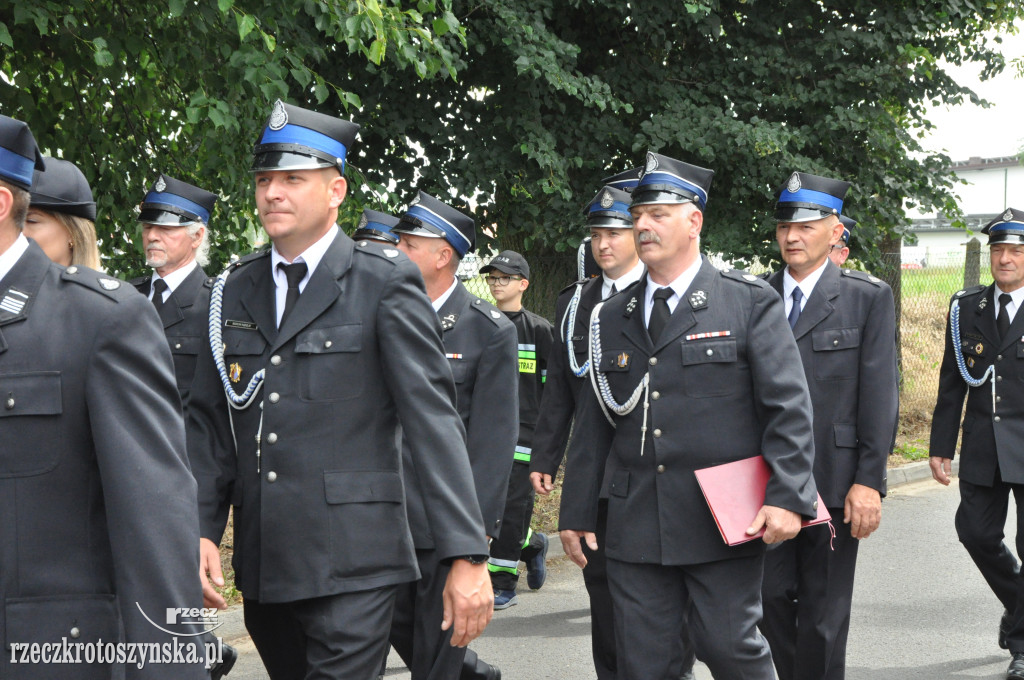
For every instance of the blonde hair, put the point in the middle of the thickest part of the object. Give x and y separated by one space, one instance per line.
84 250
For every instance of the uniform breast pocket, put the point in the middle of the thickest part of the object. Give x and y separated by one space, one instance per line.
710 367
329 369
30 409
184 351
460 369
835 353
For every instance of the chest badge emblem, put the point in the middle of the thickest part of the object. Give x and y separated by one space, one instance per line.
235 372
622 360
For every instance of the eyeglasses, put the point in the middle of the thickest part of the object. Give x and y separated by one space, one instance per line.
501 280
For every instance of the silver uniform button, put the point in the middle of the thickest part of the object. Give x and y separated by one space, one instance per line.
998 399
657 433
999 357
75 633
655 395
996 419
835 342
711 352
274 397
999 378
72 270
272 438
177 345
661 468
9 404
276 359
328 344
271 476
653 361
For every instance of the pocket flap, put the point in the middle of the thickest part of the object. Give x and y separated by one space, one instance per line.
185 344
363 486
709 351
831 339
82 618
344 338
615 360
846 435
30 394
620 484
243 342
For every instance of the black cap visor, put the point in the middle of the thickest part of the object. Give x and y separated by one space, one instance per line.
1005 236
662 194
375 235
608 220
417 227
270 157
166 215
800 212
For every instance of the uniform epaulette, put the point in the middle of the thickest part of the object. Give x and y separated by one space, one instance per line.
861 276
98 281
251 257
488 310
208 283
381 250
744 276
973 290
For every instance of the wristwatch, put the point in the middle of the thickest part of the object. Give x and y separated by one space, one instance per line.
472 559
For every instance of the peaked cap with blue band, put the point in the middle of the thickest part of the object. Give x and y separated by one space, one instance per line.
624 181
173 203
19 155
376 226
609 210
666 181
62 188
431 218
299 139
1007 228
805 197
848 224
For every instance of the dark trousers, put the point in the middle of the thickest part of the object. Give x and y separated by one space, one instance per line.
416 627
337 636
510 546
602 617
979 525
807 594
719 601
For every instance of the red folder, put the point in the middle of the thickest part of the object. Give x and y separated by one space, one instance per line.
735 493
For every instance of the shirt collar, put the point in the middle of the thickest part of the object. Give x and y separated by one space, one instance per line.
679 286
1017 296
623 281
439 302
175 278
806 286
10 257
311 256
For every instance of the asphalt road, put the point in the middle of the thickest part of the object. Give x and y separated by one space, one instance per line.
921 610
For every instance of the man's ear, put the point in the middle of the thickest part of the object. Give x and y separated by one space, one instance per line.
6 203
337 189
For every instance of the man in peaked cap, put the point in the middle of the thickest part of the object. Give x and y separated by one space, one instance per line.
984 337
844 323
175 216
840 251
89 421
642 431
480 345
508 276
327 347
376 226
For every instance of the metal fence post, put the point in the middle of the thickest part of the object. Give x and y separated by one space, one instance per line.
972 263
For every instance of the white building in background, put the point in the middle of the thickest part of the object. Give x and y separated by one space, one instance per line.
992 185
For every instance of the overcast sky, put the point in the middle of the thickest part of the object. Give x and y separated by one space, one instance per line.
968 130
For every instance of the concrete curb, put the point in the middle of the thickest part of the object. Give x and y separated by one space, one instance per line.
233 626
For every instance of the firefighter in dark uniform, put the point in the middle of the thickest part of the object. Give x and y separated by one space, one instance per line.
175 216
687 346
480 345
844 322
508 275
99 507
984 362
321 348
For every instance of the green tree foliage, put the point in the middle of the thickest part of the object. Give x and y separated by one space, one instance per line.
516 109
128 89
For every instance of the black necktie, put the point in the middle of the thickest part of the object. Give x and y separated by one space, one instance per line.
294 273
613 291
1003 320
659 313
794 313
159 286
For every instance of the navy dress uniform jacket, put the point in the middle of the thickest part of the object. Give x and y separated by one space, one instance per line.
713 400
98 504
992 442
185 317
319 503
480 343
846 334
